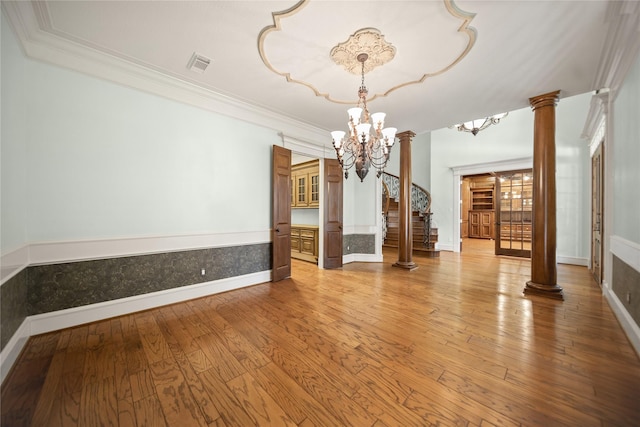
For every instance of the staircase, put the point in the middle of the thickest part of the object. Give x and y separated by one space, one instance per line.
424 236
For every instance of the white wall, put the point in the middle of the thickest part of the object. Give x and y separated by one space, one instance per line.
107 161
13 150
626 158
305 216
420 160
513 139
573 179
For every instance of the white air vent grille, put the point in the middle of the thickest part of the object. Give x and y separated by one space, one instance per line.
198 63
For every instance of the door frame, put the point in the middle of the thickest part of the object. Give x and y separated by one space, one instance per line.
598 228
304 148
475 169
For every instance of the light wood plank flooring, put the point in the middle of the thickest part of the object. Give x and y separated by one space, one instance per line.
454 342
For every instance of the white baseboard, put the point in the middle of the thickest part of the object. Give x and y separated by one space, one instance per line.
12 349
444 247
48 322
346 259
573 261
626 321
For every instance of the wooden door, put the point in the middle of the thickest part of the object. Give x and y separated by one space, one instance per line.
597 221
281 246
332 256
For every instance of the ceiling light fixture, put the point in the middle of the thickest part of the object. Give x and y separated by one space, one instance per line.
364 146
475 126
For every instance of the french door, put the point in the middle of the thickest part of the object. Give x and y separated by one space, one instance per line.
513 213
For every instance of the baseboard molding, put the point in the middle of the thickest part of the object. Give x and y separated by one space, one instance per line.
444 247
628 324
347 259
53 321
12 349
573 261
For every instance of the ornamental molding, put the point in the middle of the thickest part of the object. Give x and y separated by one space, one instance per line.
366 40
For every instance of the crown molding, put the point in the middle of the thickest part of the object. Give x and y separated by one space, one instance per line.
29 22
621 46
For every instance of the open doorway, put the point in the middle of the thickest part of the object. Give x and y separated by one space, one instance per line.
305 208
496 213
477 213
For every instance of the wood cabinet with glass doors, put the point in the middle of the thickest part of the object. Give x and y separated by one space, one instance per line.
305 185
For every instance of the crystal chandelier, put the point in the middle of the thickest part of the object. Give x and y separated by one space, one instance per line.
475 126
364 146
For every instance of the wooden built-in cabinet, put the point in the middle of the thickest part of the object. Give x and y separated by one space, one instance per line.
481 224
482 213
304 242
305 185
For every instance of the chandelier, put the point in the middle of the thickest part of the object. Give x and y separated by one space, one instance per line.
475 126
364 146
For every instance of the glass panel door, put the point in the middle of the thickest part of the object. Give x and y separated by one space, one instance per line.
514 213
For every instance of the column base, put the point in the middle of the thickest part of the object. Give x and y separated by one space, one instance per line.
406 265
548 291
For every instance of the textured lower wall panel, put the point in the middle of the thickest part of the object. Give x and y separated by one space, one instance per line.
13 306
358 244
62 286
626 280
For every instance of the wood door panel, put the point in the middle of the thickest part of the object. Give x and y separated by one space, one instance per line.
281 241
332 214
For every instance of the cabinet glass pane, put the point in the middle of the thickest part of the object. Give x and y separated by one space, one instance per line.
315 188
302 195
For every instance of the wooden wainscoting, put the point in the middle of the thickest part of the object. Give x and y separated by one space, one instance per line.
454 342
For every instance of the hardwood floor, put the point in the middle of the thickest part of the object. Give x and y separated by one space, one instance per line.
454 342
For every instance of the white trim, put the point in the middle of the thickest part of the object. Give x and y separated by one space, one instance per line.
12 349
307 148
627 251
572 260
83 250
346 259
446 247
478 168
13 262
626 321
361 229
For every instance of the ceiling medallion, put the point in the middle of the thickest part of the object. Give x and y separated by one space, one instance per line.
366 40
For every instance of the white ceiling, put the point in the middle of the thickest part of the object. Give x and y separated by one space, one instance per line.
520 49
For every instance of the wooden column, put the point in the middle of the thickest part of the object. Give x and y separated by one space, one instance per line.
405 232
543 243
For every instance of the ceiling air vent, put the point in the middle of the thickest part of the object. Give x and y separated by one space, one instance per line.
198 63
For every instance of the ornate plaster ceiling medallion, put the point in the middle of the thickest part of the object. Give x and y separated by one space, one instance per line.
366 40
291 50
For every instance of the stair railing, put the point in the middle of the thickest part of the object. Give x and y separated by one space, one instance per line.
420 202
420 198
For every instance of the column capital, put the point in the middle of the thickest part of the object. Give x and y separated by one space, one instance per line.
406 135
545 100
